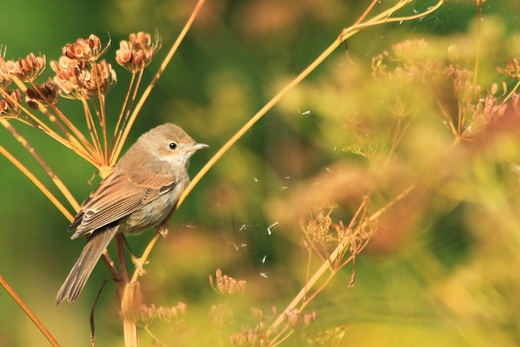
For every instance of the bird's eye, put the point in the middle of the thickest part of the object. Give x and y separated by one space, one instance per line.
172 145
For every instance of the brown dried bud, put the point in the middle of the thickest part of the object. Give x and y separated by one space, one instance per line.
409 49
25 69
85 49
228 285
249 337
512 68
257 314
292 317
8 105
45 94
309 318
68 77
182 308
136 53
167 313
142 315
106 77
78 79
221 315
145 315
4 80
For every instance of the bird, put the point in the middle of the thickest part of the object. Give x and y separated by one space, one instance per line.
140 193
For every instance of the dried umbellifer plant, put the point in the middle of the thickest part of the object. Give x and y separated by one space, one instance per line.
81 75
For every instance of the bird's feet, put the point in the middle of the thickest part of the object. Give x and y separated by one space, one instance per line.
163 229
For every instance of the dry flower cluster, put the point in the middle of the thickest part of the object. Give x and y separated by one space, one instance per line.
136 53
477 107
226 285
82 76
323 235
145 315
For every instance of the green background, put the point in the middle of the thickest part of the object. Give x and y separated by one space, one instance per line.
411 286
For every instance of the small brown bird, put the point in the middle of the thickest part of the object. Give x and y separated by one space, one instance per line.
139 194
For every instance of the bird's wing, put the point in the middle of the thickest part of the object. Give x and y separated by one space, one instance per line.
117 196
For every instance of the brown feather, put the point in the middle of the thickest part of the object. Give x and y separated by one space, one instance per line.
104 207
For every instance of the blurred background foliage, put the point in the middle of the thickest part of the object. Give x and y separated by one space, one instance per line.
441 269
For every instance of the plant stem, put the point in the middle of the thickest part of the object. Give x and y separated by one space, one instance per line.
28 312
66 193
333 257
37 183
345 34
148 90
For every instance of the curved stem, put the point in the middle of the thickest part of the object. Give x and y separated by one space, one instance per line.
345 34
66 193
37 183
146 93
333 257
76 142
135 85
478 40
121 114
511 93
28 312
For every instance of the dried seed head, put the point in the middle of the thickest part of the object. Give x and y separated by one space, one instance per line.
292 317
136 53
221 315
167 313
309 318
228 285
182 308
409 49
27 69
378 68
68 76
4 80
143 316
257 313
78 79
512 68
318 225
249 337
484 112
326 338
106 77
85 49
8 105
43 95
462 82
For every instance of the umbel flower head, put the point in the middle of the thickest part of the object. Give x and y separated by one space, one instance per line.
4 80
81 79
27 69
78 74
85 49
136 53
8 105
228 286
44 95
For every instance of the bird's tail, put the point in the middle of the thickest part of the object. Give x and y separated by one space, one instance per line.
88 259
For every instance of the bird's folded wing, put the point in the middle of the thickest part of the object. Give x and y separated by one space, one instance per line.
118 196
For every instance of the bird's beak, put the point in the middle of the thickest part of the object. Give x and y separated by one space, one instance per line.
196 147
